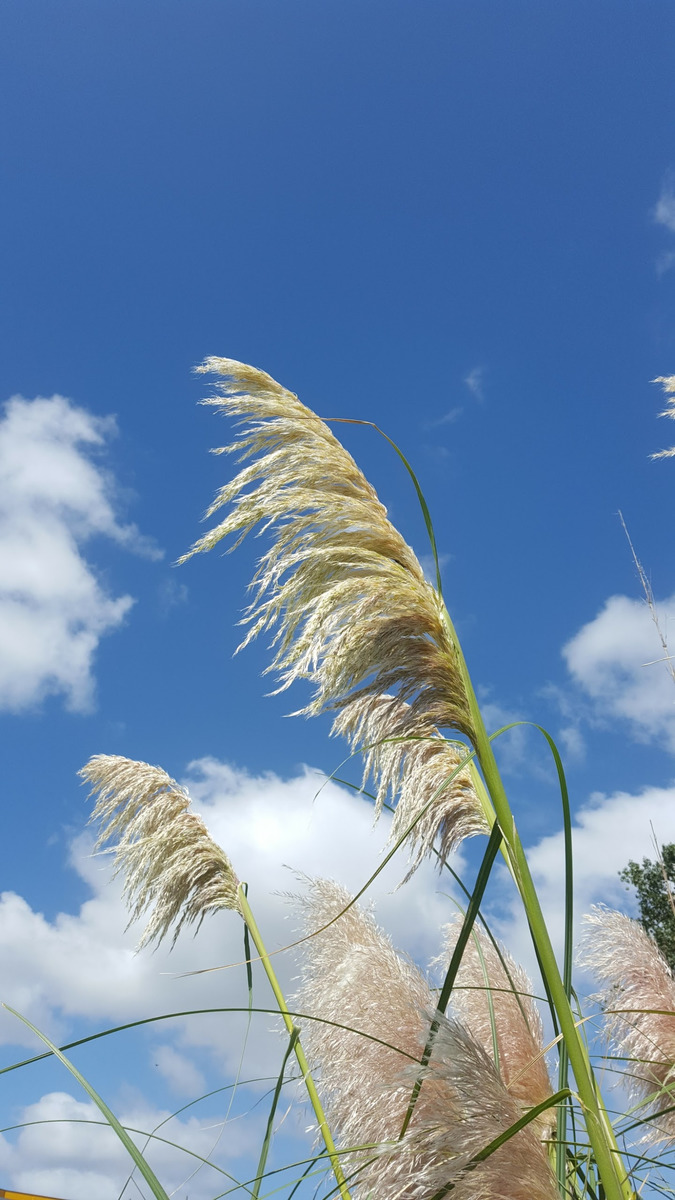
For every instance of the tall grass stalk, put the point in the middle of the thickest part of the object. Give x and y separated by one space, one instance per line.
174 870
615 1178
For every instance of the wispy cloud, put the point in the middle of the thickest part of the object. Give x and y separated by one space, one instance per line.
664 214
475 381
448 418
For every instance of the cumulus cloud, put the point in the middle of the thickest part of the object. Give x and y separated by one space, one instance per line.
181 1074
66 1150
607 832
82 965
54 497
614 660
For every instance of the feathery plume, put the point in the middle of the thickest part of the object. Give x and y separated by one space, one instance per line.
491 986
347 598
171 864
639 998
668 382
353 975
408 758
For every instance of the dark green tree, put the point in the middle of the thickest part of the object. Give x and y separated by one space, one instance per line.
654 883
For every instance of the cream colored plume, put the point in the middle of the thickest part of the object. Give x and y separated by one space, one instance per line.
171 864
639 998
491 987
345 595
407 758
353 976
668 383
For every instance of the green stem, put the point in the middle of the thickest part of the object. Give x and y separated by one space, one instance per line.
614 1177
297 1046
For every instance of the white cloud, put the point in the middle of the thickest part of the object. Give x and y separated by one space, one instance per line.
448 418
53 498
606 833
83 965
69 1152
608 658
475 381
664 213
180 1073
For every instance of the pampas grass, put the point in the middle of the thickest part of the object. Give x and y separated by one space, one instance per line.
353 976
493 996
409 760
171 865
638 996
343 593
668 384
417 1099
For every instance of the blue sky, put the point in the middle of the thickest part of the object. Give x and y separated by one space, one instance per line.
456 220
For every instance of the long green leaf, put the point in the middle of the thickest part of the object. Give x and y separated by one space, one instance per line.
267 1140
198 1012
505 1137
130 1146
493 845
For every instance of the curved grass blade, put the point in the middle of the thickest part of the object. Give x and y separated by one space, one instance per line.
262 1162
494 842
196 1012
563 1057
506 1136
416 484
206 1162
130 1146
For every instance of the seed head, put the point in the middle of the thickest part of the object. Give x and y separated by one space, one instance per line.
639 1000
352 975
408 759
668 383
171 864
344 594
491 987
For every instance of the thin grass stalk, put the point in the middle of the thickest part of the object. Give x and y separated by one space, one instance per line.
455 962
269 1129
130 1146
294 1034
601 1135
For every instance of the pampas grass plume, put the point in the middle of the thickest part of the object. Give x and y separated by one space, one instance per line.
639 998
668 384
171 864
352 975
344 594
490 984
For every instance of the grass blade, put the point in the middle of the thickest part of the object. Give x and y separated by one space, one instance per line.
262 1162
494 842
131 1147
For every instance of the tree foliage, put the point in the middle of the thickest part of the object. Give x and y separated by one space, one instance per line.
653 883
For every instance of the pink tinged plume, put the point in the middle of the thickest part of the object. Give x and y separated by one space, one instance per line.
353 976
638 997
